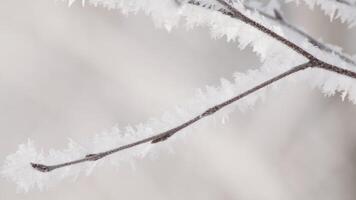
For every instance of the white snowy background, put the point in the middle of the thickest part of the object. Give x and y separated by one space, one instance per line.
73 72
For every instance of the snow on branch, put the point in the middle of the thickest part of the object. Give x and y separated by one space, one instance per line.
18 169
277 18
281 47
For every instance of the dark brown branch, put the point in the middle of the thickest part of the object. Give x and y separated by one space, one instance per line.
163 136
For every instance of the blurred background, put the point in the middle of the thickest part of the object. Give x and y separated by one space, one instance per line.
74 72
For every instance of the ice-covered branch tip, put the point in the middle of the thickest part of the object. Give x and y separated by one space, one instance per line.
165 135
46 168
235 13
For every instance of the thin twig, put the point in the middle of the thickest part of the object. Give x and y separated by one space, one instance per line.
165 135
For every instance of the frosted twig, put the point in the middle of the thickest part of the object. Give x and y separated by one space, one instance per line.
317 62
279 19
165 135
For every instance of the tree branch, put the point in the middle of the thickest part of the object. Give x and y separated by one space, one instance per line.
165 135
313 62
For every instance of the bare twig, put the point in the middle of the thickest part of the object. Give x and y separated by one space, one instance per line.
233 12
165 135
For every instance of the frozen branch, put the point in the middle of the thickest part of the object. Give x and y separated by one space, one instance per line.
278 18
165 135
235 13
317 62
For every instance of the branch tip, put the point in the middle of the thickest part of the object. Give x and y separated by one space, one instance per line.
41 168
